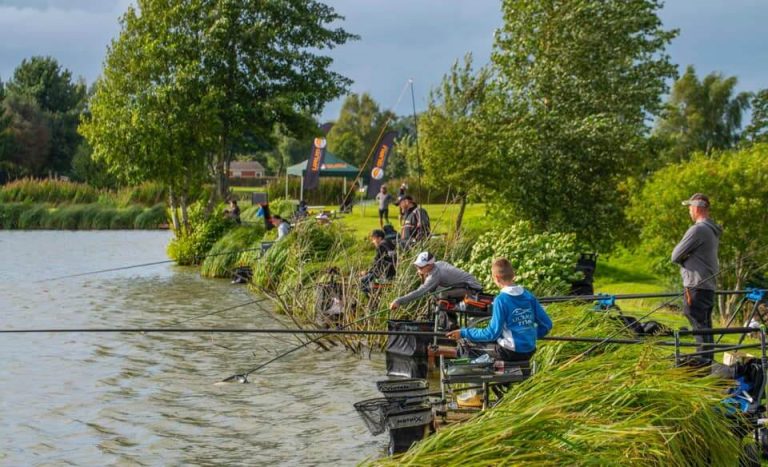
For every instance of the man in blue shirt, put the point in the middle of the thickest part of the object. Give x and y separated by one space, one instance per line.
518 318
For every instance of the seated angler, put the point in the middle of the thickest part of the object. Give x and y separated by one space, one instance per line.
438 274
384 263
518 318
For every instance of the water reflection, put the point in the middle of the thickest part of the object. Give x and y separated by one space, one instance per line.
95 399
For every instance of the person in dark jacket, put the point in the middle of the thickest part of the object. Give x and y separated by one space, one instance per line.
384 263
416 227
697 256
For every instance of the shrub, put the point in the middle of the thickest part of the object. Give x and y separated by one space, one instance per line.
330 191
737 185
145 194
191 247
544 262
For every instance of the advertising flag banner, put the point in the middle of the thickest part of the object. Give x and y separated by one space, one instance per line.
314 164
380 158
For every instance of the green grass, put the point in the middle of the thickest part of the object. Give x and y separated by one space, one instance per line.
364 219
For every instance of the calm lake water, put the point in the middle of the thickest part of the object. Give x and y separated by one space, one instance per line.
130 399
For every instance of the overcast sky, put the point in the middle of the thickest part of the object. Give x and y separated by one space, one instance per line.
400 39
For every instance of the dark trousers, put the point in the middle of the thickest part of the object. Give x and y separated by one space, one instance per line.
697 307
384 215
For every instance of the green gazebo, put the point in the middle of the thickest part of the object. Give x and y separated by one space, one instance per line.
332 167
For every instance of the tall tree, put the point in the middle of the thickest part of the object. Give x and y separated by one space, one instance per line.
702 115
357 129
453 139
28 137
195 81
576 83
757 130
60 98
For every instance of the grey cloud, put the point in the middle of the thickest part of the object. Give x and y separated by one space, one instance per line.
95 6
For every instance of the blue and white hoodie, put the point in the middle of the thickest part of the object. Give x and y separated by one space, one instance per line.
517 321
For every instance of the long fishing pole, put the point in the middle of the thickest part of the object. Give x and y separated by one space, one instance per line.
342 331
143 265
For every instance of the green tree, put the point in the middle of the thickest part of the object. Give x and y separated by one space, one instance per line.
757 130
737 185
60 98
454 141
187 86
701 115
357 129
576 84
28 138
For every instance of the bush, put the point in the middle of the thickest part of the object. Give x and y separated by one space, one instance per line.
544 262
330 192
737 185
191 247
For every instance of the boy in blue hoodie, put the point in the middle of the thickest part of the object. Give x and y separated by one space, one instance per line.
518 318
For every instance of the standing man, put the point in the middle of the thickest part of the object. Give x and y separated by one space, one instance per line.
416 227
384 200
697 256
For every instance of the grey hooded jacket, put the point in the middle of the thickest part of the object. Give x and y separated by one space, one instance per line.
442 275
697 255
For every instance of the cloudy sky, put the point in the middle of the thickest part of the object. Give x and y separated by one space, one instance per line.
400 39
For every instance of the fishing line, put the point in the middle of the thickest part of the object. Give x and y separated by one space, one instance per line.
143 265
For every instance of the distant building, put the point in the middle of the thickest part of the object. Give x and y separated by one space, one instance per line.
245 169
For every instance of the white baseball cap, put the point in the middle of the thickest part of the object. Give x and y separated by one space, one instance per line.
423 259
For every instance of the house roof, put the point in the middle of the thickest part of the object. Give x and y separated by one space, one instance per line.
246 165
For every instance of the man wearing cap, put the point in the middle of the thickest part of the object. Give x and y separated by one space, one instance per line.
697 256
438 274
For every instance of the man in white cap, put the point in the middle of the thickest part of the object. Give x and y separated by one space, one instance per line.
697 256
438 274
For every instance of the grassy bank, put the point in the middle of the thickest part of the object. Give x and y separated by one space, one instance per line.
40 216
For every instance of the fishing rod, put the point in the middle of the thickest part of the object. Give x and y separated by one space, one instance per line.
342 331
599 296
243 377
143 265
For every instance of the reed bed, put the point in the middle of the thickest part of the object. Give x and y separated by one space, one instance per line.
37 216
227 253
624 407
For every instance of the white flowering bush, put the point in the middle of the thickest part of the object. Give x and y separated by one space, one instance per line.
544 262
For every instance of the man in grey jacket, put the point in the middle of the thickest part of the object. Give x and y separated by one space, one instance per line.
438 274
697 256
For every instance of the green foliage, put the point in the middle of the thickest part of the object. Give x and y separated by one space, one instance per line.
10 214
190 247
227 253
330 192
59 101
544 262
29 141
757 130
145 194
737 184
357 130
151 218
184 88
452 138
574 87
48 191
626 406
701 115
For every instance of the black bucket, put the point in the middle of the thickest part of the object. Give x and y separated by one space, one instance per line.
407 426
